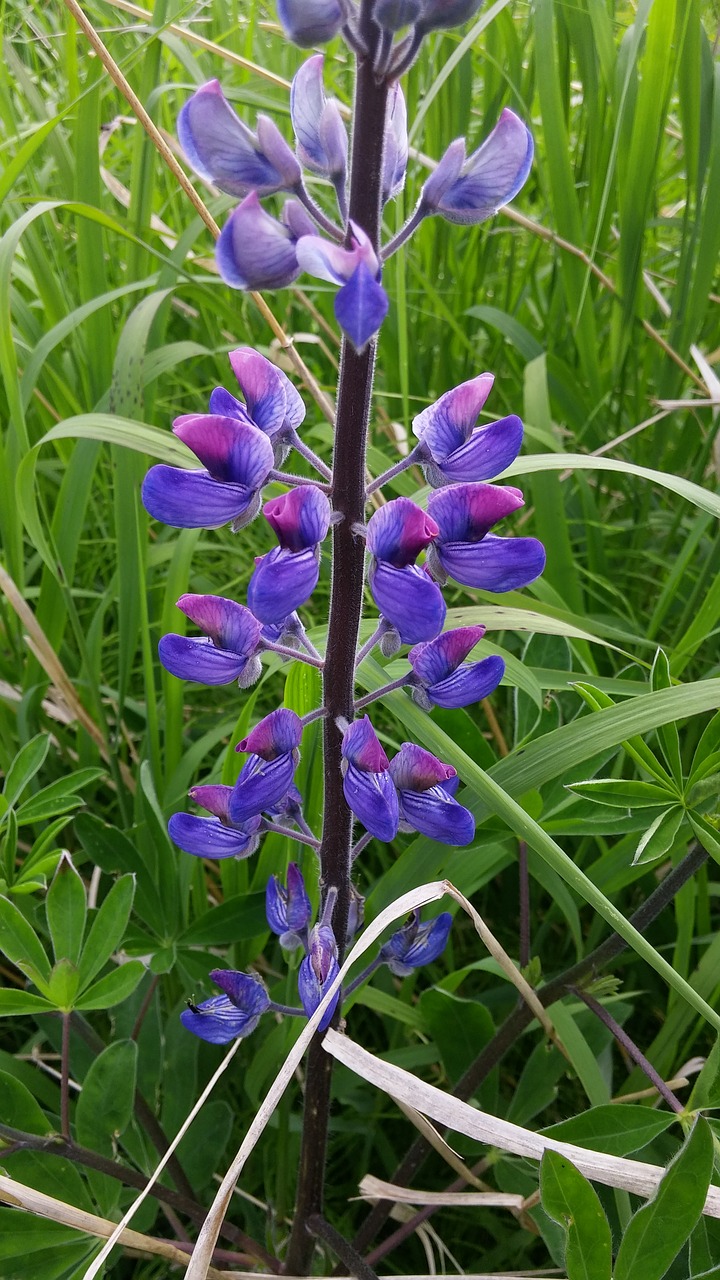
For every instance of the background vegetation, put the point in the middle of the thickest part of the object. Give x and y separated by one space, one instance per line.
593 303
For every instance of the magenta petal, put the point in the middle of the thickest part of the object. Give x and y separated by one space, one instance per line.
409 600
221 148
214 797
415 769
260 785
281 582
232 451
209 837
231 626
398 531
274 735
299 518
488 451
361 306
254 250
434 661
192 499
447 423
362 747
272 400
470 683
465 512
435 814
494 564
199 660
373 799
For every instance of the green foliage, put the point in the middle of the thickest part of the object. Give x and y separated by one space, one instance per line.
598 315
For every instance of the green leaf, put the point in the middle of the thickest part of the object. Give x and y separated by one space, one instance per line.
707 834
114 988
657 1232
26 764
107 929
21 944
105 1105
706 1090
19 1109
617 1129
63 985
621 793
112 851
660 678
530 463
58 797
660 836
66 908
459 1028
233 921
569 1200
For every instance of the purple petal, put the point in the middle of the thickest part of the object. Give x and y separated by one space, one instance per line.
435 814
308 22
415 769
231 626
489 451
209 837
398 531
224 405
465 512
446 424
362 747
361 306
260 785
274 735
373 799
470 683
254 250
192 499
319 130
311 991
296 218
221 148
278 153
434 661
416 944
272 401
492 175
447 13
246 991
396 144
199 660
495 564
446 172
218 1021
232 451
299 518
409 600
393 15
325 260
282 580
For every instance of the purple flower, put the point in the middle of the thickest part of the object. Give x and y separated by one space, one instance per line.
237 459
271 401
317 971
367 784
308 22
454 449
361 304
395 156
425 790
393 15
446 13
473 188
321 136
416 944
288 910
442 676
267 774
235 1013
287 576
403 592
228 650
255 251
216 837
225 152
467 552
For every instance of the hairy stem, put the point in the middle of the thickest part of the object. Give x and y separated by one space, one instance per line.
630 1048
348 499
356 1265
521 1017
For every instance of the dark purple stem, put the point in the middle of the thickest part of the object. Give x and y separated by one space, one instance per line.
348 499
630 1047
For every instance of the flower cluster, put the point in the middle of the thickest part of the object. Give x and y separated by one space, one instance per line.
413 550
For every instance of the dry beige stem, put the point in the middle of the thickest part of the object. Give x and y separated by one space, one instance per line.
375 1189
